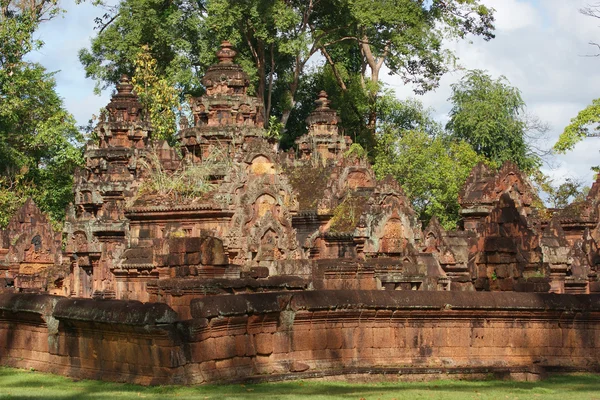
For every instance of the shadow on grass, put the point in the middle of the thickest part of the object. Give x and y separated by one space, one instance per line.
22 384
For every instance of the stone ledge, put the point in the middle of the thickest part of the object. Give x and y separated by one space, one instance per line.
103 311
115 311
29 303
239 304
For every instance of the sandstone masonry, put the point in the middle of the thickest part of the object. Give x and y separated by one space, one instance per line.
224 258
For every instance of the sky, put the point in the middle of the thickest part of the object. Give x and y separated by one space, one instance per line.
540 47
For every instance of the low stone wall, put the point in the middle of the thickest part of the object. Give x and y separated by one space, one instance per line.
113 340
266 336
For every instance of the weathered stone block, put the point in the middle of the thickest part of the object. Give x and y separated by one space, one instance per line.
263 343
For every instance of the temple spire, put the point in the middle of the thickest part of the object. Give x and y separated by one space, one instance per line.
323 120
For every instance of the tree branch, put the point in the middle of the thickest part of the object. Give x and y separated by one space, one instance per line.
336 73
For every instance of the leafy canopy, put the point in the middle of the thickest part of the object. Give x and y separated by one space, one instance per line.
490 115
38 138
431 167
276 39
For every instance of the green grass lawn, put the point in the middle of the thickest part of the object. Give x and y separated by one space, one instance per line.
22 384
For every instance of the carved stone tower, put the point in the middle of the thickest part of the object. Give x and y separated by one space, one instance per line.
323 138
96 225
226 116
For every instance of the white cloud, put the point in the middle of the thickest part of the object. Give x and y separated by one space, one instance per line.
514 14
538 47
64 36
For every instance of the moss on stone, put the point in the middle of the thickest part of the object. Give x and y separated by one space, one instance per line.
347 214
309 182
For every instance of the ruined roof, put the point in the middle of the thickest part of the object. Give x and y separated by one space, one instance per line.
309 183
484 186
583 211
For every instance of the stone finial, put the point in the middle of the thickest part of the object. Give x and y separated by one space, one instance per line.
225 77
322 101
124 105
226 53
183 122
124 87
323 120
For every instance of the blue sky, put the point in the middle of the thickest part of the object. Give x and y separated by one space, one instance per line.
64 36
539 47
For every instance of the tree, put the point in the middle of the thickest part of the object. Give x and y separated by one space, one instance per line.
160 99
405 35
431 167
38 137
277 38
171 29
490 115
571 190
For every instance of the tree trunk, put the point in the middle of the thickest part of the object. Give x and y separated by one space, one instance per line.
262 78
375 65
270 90
292 93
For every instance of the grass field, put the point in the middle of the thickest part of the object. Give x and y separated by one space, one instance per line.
22 384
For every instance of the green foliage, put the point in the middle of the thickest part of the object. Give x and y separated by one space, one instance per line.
579 128
171 29
406 115
356 150
274 129
431 167
569 191
159 98
489 115
39 143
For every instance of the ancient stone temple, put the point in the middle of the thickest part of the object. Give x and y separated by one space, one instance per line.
248 216
223 258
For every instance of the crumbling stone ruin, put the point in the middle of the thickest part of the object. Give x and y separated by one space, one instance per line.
229 234
318 216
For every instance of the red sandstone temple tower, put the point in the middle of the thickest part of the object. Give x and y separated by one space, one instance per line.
226 116
96 225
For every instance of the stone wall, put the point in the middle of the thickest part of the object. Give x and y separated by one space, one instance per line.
266 336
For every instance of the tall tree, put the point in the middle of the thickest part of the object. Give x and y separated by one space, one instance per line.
407 36
38 137
277 38
489 114
430 166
